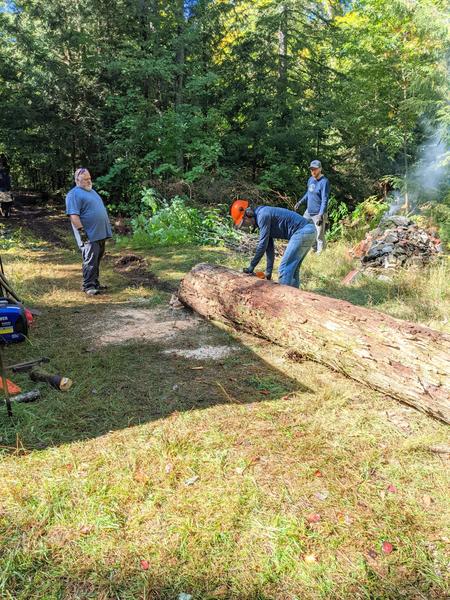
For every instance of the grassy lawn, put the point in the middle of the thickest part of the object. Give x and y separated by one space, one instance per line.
247 476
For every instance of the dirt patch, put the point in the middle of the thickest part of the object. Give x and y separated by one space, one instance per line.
135 269
129 324
47 223
124 262
204 352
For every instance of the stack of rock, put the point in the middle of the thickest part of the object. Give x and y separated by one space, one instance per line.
397 242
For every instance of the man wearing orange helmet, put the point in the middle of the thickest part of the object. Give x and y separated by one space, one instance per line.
276 223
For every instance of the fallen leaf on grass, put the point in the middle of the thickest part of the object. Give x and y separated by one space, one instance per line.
372 553
321 495
168 468
264 392
145 565
427 500
391 488
313 518
343 518
310 558
387 547
140 476
318 473
86 529
220 592
191 480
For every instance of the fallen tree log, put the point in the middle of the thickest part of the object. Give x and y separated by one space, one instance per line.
403 360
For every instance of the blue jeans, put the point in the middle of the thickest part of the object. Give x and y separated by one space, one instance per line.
320 243
297 249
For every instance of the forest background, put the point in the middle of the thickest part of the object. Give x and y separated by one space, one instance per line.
259 475
216 99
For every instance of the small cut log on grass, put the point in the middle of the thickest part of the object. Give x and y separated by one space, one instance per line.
403 360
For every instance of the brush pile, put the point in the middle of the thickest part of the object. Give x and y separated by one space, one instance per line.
247 242
397 242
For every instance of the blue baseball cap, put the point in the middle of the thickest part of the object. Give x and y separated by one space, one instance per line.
315 164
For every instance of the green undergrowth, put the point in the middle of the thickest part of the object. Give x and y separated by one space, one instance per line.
176 222
248 477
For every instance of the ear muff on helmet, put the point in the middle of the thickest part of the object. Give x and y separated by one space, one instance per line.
238 211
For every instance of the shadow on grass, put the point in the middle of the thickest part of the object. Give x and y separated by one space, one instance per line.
118 386
130 582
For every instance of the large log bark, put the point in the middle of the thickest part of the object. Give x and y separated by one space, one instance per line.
406 361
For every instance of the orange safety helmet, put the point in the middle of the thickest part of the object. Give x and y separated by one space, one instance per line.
237 211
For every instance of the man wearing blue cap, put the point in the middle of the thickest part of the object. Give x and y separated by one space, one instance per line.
316 198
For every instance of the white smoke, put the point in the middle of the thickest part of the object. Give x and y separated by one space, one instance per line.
429 176
432 169
396 202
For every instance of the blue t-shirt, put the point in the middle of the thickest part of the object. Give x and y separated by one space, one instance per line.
92 212
317 195
274 223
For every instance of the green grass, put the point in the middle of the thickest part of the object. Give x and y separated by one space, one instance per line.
210 474
420 295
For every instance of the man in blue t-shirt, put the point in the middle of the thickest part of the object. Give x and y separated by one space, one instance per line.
276 223
91 228
316 198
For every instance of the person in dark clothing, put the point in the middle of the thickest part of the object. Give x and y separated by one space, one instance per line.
6 200
91 228
316 198
276 223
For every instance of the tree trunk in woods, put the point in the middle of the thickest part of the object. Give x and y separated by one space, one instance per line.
283 63
179 82
406 361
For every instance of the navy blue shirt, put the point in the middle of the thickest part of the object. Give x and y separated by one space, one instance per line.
317 195
274 223
92 212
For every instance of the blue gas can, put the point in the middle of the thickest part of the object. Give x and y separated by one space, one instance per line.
13 322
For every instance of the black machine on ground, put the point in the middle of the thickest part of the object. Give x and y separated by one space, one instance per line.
14 317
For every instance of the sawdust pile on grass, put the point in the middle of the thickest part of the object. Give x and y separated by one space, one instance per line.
203 352
124 325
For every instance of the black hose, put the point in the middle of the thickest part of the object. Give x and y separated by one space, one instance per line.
4 283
